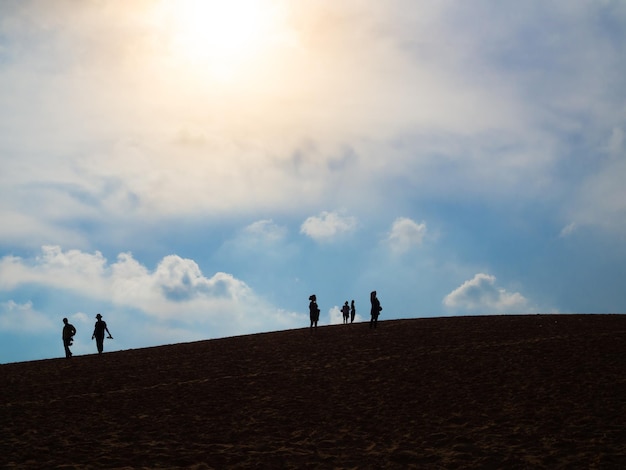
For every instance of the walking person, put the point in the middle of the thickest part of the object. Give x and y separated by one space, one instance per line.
98 333
352 312
376 308
68 337
345 310
314 311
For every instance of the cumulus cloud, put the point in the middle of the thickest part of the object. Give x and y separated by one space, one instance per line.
480 294
405 234
181 280
328 226
175 290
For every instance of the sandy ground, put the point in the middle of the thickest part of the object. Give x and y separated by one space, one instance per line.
535 391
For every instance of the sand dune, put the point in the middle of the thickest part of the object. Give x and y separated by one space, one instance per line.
535 391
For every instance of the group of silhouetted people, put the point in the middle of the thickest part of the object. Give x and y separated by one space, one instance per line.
348 311
98 334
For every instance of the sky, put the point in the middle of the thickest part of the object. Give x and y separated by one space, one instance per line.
196 169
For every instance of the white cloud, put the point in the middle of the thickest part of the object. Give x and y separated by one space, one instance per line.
405 234
175 290
480 294
328 226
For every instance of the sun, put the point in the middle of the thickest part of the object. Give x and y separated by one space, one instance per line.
221 36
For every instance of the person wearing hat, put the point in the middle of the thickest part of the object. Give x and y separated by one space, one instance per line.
68 335
98 333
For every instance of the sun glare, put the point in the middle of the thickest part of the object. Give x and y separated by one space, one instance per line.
221 35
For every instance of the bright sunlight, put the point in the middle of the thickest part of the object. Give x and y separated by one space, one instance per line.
222 36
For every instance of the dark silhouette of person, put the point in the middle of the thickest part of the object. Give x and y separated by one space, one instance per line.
68 337
314 311
345 310
98 333
376 308
352 312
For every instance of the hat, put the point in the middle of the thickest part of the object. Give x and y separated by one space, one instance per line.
98 316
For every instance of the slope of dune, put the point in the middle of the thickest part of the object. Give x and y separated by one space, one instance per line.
531 391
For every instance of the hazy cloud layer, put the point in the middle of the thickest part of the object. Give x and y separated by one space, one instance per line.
123 128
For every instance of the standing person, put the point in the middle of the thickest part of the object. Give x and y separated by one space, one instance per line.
352 312
346 312
314 311
376 308
98 333
68 336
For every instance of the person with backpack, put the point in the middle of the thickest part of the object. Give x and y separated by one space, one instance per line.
98 333
376 308
68 337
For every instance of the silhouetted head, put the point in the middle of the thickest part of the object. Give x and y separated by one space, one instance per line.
65 320
373 295
312 298
98 316
346 303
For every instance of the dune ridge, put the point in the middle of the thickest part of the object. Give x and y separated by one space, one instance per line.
526 391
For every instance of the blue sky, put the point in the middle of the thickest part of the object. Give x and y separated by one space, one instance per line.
193 171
